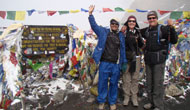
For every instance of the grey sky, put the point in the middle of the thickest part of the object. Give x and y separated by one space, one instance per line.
78 19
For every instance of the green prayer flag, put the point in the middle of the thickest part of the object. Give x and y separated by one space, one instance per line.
119 9
11 15
82 47
176 14
79 43
29 62
82 71
63 12
36 66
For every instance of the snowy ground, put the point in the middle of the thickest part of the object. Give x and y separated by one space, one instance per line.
68 95
78 101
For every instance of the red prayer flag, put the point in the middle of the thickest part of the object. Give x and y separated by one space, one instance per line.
74 60
2 14
107 10
51 13
81 53
83 76
84 50
77 50
13 59
163 12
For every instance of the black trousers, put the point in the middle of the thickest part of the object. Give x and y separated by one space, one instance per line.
155 79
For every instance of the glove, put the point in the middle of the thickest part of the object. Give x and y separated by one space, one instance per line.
124 67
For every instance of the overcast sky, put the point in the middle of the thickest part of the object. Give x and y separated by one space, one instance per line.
78 19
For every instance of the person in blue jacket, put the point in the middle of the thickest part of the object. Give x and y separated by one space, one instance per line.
110 55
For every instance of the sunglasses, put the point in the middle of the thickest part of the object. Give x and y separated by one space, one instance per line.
133 21
114 24
151 18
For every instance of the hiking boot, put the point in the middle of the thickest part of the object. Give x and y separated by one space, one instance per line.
91 99
156 109
113 107
101 106
135 100
126 101
148 106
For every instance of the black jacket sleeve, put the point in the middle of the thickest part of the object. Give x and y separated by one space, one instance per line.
174 36
143 31
140 40
170 34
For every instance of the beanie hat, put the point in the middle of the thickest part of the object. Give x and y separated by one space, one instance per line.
114 20
152 13
126 23
131 17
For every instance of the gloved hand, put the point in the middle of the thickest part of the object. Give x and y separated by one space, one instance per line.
124 67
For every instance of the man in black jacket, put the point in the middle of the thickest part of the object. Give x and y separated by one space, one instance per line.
158 38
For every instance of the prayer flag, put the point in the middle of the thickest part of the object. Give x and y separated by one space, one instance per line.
11 15
119 9
30 12
63 12
176 14
186 14
51 13
2 14
74 11
41 12
1 73
107 10
73 72
130 11
84 10
74 60
162 12
20 15
73 44
138 10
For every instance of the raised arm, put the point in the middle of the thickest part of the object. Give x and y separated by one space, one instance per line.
173 35
93 24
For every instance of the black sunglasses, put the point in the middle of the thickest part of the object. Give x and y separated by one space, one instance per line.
151 18
132 21
113 23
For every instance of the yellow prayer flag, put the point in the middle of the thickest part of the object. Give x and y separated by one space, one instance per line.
81 36
130 11
20 15
83 43
186 14
176 72
181 36
73 72
83 56
187 55
78 56
74 11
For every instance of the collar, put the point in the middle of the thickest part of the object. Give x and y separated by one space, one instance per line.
133 31
114 31
153 27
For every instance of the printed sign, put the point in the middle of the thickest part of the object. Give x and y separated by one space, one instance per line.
39 40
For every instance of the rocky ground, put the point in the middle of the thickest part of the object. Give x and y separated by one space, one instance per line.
78 101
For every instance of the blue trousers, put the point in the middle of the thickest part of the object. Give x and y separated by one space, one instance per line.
108 71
